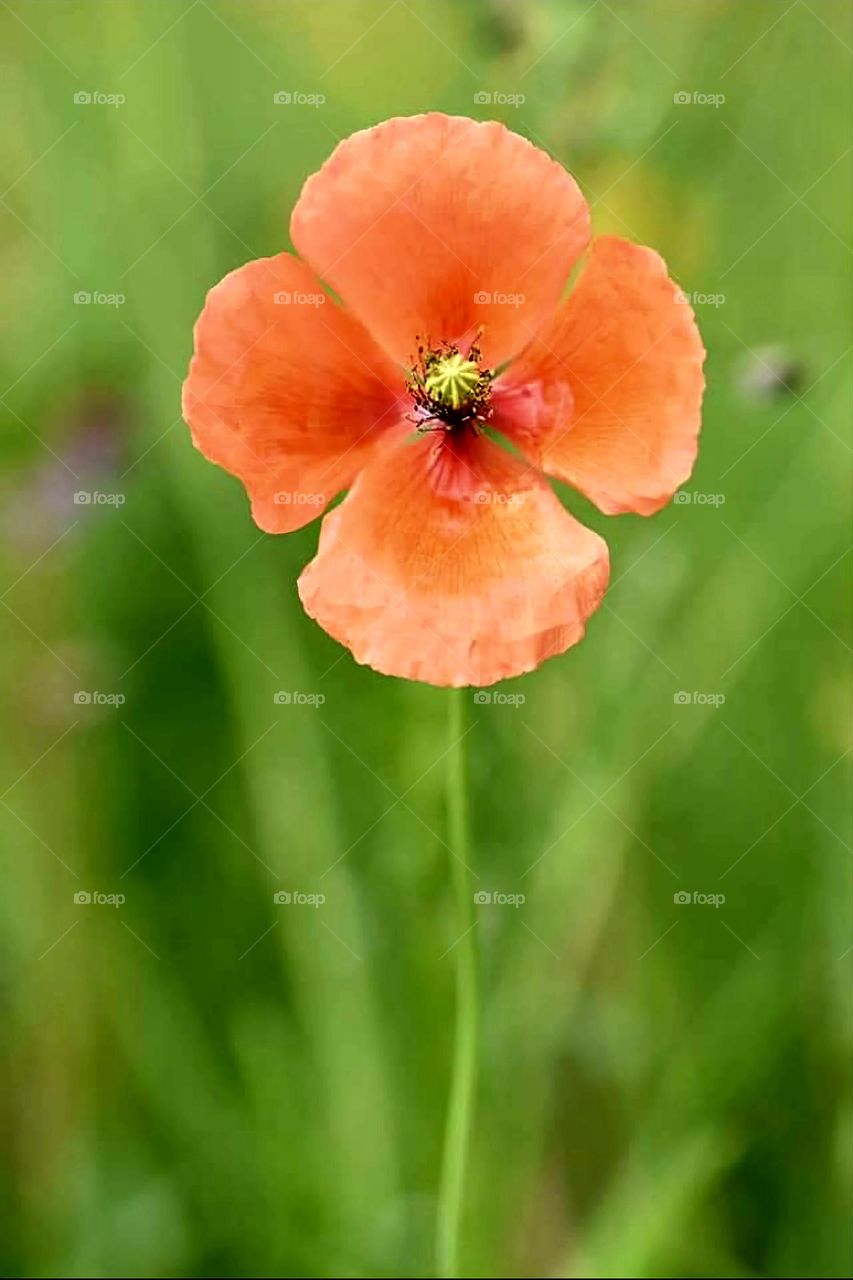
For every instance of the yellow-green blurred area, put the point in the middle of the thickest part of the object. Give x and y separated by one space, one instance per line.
202 1080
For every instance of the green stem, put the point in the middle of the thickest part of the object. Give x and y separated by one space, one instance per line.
464 1072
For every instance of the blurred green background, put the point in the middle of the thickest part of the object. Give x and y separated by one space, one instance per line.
201 1081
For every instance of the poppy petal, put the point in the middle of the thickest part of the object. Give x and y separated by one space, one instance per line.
430 226
454 564
286 391
608 397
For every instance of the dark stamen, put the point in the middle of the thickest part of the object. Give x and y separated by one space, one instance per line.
450 391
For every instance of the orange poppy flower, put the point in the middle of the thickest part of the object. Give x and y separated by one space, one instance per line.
449 242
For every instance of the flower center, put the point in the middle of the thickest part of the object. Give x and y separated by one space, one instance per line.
449 388
453 381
